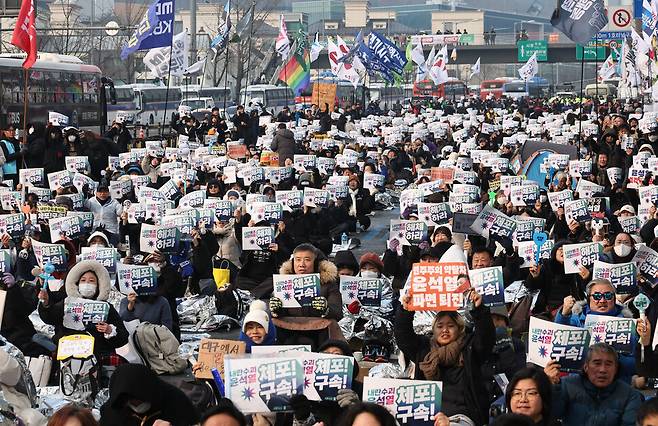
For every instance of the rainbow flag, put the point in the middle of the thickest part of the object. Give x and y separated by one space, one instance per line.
297 72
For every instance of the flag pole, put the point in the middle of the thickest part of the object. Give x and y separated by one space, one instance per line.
226 74
580 107
251 34
25 101
164 116
596 68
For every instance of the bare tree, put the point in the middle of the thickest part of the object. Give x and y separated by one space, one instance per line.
67 35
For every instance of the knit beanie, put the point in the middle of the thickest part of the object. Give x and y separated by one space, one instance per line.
258 314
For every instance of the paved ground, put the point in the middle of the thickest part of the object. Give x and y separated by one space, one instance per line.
374 239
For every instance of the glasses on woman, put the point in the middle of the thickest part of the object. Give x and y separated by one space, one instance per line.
527 394
598 295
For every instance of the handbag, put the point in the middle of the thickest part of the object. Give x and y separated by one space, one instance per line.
222 274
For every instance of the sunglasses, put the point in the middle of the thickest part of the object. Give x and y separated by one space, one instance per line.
598 295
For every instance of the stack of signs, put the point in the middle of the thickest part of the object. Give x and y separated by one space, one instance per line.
617 332
623 276
434 214
412 402
580 255
79 313
647 264
434 286
562 343
296 291
365 291
54 254
263 385
494 223
160 238
139 279
257 237
211 355
489 283
408 232
106 256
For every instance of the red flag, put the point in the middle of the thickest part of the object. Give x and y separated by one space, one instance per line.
25 33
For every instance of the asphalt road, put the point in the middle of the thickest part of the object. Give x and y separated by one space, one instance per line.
374 239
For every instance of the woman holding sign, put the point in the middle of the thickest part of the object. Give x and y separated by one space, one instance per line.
451 355
88 281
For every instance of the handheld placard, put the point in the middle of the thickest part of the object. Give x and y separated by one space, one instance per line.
641 303
539 238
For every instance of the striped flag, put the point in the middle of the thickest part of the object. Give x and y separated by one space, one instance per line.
282 41
297 72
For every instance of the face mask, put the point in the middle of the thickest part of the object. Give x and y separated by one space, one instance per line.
53 135
31 130
97 245
87 290
369 274
653 138
140 408
71 138
623 250
543 198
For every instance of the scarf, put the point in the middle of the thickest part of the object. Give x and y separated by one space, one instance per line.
449 355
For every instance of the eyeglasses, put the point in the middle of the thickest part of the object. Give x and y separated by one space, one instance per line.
598 295
529 394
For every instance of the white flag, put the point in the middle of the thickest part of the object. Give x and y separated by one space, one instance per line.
195 67
316 48
418 57
439 70
607 68
346 70
530 69
475 69
157 60
282 41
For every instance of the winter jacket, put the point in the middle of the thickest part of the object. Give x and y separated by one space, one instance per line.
229 248
577 318
105 215
463 392
579 403
54 153
53 314
33 152
284 145
156 311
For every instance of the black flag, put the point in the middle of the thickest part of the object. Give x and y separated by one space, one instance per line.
580 20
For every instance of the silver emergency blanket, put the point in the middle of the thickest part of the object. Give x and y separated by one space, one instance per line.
26 384
199 313
40 326
7 416
386 371
51 399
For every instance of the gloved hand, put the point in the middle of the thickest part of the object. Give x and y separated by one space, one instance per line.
393 244
276 305
423 245
346 397
320 305
8 279
354 307
300 406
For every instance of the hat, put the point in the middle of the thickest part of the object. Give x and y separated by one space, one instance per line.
98 234
63 200
626 208
346 259
258 314
647 147
500 311
373 259
134 168
340 344
102 187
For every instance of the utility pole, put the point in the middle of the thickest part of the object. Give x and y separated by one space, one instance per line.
193 30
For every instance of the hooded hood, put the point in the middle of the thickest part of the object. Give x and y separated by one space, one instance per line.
327 270
79 270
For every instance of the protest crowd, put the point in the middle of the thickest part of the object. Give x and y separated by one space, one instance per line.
212 279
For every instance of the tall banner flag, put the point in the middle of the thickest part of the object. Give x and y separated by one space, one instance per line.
316 48
530 69
195 67
418 57
297 72
607 68
345 70
244 22
355 46
439 69
580 20
156 29
282 41
372 63
221 39
387 52
158 60
649 19
25 34
475 69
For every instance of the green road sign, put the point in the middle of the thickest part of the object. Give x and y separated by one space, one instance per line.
526 48
591 52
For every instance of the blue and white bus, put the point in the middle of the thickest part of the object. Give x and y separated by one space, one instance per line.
534 88
218 94
144 104
271 97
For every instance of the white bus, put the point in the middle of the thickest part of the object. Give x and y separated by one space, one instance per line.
273 98
219 94
144 104
383 94
58 83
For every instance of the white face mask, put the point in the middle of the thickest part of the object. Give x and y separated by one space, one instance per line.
622 250
71 138
87 290
97 245
31 130
140 408
543 198
369 274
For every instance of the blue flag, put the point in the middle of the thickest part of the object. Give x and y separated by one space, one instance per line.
154 30
222 36
387 53
372 63
580 21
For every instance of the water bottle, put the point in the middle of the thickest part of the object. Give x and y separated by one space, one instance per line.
344 239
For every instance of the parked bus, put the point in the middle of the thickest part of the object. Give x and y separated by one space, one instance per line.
219 94
57 83
144 104
389 95
453 90
534 88
346 94
273 98
493 87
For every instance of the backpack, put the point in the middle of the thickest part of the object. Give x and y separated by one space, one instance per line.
158 348
78 379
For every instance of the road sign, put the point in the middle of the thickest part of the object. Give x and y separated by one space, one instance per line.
526 48
613 35
591 52
620 18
